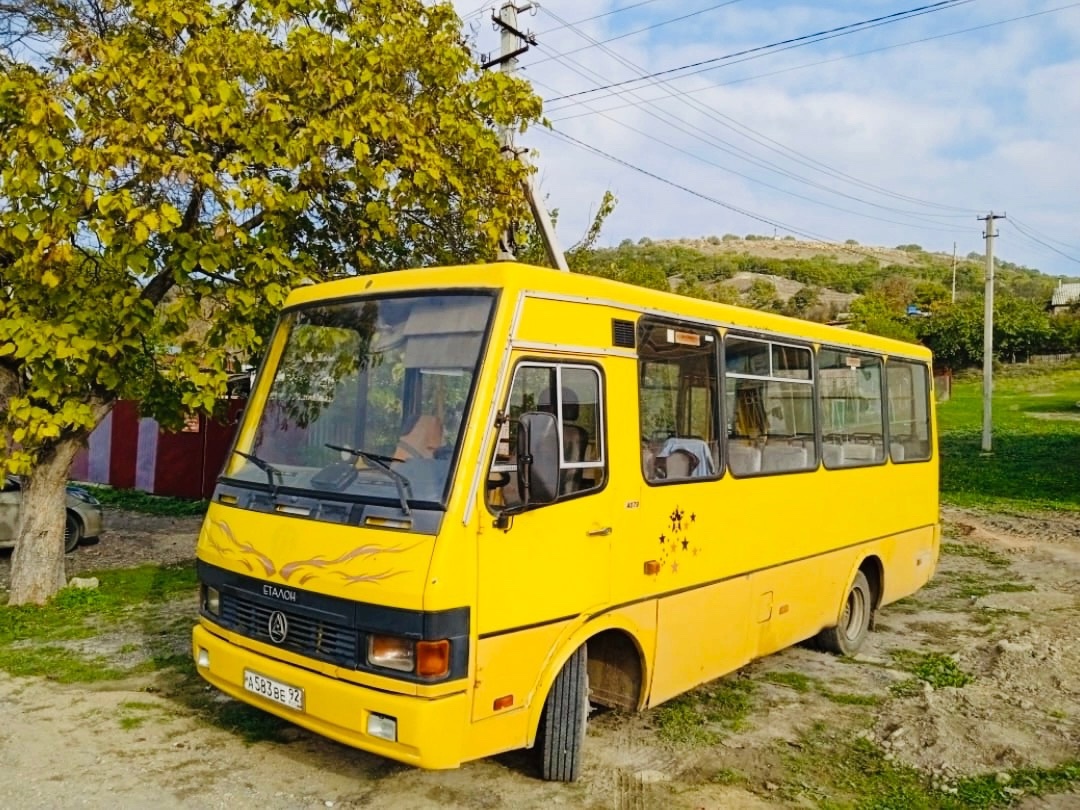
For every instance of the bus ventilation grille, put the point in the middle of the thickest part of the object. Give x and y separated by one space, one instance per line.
622 333
308 635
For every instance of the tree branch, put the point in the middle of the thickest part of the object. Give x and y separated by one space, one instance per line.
160 284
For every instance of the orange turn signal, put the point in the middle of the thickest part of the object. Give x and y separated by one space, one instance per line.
433 658
652 567
505 702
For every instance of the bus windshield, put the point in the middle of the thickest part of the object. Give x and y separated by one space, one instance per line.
368 398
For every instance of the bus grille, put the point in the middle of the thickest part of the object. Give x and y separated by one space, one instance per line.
314 637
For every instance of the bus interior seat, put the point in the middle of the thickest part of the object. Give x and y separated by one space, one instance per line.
575 442
859 453
744 459
679 464
648 461
783 457
896 449
422 439
700 450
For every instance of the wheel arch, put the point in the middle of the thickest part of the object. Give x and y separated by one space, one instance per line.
874 571
615 648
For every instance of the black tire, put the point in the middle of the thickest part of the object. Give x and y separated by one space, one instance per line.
73 532
562 726
848 636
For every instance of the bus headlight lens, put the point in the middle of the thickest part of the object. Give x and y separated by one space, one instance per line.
211 600
391 652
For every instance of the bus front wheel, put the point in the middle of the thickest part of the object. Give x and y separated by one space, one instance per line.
562 726
848 636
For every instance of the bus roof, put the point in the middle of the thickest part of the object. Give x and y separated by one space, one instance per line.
514 278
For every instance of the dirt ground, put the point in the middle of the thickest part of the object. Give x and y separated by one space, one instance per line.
1003 608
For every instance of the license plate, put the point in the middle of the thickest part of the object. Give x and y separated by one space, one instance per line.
276 691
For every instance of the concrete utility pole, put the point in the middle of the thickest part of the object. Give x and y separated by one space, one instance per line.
954 272
988 331
514 43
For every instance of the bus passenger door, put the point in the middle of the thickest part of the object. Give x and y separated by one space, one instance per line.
549 564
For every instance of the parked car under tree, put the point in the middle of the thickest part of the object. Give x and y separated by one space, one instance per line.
83 517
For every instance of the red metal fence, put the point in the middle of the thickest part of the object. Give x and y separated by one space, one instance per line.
132 452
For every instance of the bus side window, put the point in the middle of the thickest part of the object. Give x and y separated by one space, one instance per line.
573 394
678 394
908 386
852 419
769 406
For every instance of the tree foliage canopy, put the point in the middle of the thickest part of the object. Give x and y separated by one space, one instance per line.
170 169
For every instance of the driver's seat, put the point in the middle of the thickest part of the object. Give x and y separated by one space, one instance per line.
423 438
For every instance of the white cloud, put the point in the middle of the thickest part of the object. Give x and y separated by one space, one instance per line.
984 119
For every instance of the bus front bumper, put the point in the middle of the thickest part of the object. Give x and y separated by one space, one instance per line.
428 730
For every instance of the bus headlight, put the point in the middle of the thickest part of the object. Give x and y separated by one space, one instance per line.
428 659
391 652
211 601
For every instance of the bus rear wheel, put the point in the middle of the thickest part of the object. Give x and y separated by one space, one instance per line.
562 726
848 636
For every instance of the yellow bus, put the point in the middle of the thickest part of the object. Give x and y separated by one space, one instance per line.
465 503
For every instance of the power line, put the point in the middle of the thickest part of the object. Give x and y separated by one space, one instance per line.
725 146
596 16
1045 236
750 158
1047 245
850 28
715 201
639 31
817 63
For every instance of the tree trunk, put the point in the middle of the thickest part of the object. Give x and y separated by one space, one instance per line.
37 564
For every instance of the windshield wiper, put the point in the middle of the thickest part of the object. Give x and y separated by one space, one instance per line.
382 463
267 468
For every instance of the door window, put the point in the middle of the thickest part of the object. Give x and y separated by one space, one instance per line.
573 394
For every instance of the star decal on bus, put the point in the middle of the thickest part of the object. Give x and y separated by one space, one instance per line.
675 539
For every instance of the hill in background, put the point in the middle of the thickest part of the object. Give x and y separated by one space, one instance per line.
816 280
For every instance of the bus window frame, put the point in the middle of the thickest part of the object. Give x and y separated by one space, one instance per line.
775 340
605 467
886 456
928 388
649 321
275 354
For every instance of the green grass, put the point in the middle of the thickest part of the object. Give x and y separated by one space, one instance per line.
793 680
835 771
937 669
697 717
79 613
58 664
1033 466
986 555
135 501
803 684
850 698
44 640
972 585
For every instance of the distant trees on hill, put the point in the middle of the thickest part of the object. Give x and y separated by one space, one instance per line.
906 301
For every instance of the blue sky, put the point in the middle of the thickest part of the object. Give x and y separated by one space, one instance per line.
869 136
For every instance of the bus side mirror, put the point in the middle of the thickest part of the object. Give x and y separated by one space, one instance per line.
538 458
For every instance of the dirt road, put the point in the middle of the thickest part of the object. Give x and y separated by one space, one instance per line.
977 674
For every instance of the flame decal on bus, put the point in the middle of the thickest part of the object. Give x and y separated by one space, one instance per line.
287 570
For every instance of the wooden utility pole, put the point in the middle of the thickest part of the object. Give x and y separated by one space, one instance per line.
514 43
988 332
